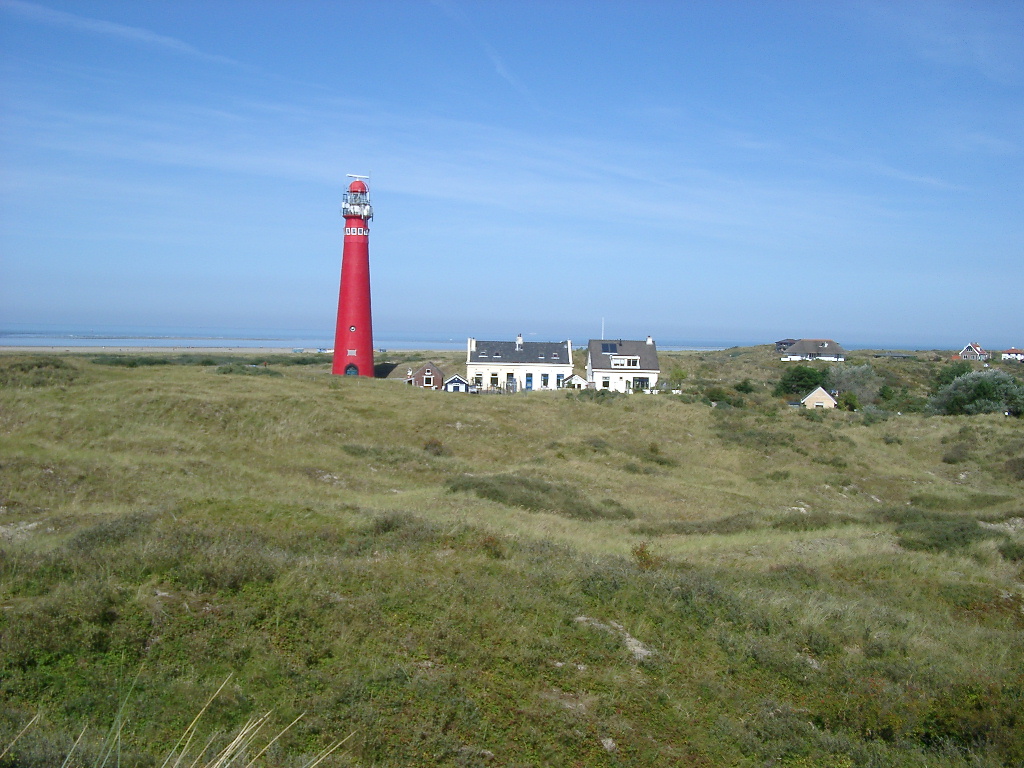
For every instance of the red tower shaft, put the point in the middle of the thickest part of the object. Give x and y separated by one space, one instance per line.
353 335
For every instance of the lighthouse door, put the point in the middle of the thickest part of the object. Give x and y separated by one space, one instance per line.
351 370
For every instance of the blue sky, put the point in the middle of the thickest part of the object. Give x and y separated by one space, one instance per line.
717 172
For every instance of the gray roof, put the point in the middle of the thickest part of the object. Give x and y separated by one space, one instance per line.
816 348
600 360
534 352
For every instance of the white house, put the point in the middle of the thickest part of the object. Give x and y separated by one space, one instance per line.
1013 354
518 365
819 398
622 366
814 349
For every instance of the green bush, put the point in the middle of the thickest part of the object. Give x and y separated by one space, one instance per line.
980 392
948 373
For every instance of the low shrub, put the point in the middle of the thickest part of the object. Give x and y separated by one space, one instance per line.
539 496
40 371
247 370
1015 467
594 395
131 361
1012 551
435 447
957 454
935 532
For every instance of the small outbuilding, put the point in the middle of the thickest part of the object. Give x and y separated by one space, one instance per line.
456 383
819 398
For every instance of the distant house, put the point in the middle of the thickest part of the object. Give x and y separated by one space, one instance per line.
575 382
973 351
783 344
514 366
1013 354
456 383
427 376
819 398
622 366
814 349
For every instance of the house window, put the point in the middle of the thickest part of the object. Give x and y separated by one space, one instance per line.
613 348
559 378
494 380
641 383
606 383
428 381
479 379
544 381
529 381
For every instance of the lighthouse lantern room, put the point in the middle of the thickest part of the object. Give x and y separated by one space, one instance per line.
353 336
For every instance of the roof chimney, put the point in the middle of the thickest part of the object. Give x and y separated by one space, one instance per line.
650 340
519 342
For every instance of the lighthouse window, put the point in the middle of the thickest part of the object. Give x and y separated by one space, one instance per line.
351 353
352 328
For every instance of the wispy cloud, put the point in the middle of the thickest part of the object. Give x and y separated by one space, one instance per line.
972 35
43 15
500 67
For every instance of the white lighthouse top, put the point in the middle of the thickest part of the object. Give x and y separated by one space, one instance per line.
356 201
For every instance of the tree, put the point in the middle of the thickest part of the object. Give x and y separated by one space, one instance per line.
948 373
980 392
861 381
800 379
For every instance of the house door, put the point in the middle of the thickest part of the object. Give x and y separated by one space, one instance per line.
529 381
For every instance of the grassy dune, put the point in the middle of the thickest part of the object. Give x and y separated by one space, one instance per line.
488 580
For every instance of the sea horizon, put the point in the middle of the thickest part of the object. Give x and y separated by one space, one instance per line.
34 335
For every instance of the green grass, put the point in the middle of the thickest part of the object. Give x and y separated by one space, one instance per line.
456 580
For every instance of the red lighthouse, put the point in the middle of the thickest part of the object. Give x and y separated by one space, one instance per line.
353 336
